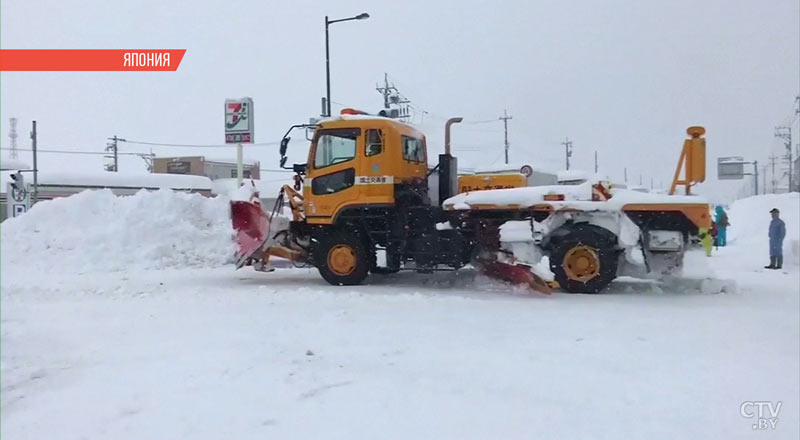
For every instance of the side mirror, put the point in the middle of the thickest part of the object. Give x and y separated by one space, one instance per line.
283 161
285 145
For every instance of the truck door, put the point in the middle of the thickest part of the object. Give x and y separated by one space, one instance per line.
334 161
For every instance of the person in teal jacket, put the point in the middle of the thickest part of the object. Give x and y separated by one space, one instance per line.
721 221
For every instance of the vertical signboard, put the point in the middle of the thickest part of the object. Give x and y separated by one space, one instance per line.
239 121
18 199
239 129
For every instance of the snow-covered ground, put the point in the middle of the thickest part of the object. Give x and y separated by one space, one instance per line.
206 352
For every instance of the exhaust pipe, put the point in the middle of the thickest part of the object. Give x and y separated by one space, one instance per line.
448 166
447 125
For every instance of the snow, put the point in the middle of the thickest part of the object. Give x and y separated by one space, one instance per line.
267 188
750 217
98 231
572 175
168 350
575 197
118 180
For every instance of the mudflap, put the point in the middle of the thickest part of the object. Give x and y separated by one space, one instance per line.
516 274
252 230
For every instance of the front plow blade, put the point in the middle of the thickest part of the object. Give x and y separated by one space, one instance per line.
517 274
252 228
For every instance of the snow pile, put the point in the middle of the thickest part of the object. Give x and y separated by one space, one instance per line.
524 197
517 237
750 217
575 197
98 231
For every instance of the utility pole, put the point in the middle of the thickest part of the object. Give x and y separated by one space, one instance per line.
12 135
505 119
625 170
35 165
595 161
774 182
567 149
785 133
112 146
764 179
755 171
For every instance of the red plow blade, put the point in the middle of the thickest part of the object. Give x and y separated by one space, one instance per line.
516 274
252 226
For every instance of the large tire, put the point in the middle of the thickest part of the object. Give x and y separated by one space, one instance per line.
341 259
584 258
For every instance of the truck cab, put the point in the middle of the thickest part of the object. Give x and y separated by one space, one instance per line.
358 161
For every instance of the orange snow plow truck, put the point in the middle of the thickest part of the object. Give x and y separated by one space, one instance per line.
366 202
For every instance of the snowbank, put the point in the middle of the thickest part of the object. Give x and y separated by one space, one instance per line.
98 231
750 219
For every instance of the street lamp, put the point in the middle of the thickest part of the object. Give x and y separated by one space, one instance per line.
362 16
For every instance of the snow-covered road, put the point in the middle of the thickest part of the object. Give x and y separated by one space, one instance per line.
213 353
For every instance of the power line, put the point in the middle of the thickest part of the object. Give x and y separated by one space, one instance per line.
164 144
39 150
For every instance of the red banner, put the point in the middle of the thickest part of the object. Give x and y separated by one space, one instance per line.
85 60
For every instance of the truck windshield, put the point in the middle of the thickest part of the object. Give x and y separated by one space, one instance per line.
335 146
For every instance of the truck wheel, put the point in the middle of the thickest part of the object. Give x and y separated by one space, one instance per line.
341 259
584 260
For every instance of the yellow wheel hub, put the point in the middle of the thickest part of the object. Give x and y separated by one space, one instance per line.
581 263
342 260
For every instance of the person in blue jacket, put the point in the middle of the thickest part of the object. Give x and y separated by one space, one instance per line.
777 230
721 220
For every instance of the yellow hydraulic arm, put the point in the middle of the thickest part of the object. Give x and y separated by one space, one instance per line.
692 160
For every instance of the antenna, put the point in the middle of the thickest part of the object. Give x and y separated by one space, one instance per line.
393 98
12 135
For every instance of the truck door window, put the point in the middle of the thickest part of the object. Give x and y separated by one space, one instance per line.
374 144
413 149
335 146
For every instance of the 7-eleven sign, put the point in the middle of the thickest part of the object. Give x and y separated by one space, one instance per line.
239 121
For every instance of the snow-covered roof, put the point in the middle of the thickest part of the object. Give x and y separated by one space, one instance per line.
512 167
13 164
119 180
362 118
568 175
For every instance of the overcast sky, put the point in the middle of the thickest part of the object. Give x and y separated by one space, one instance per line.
624 78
